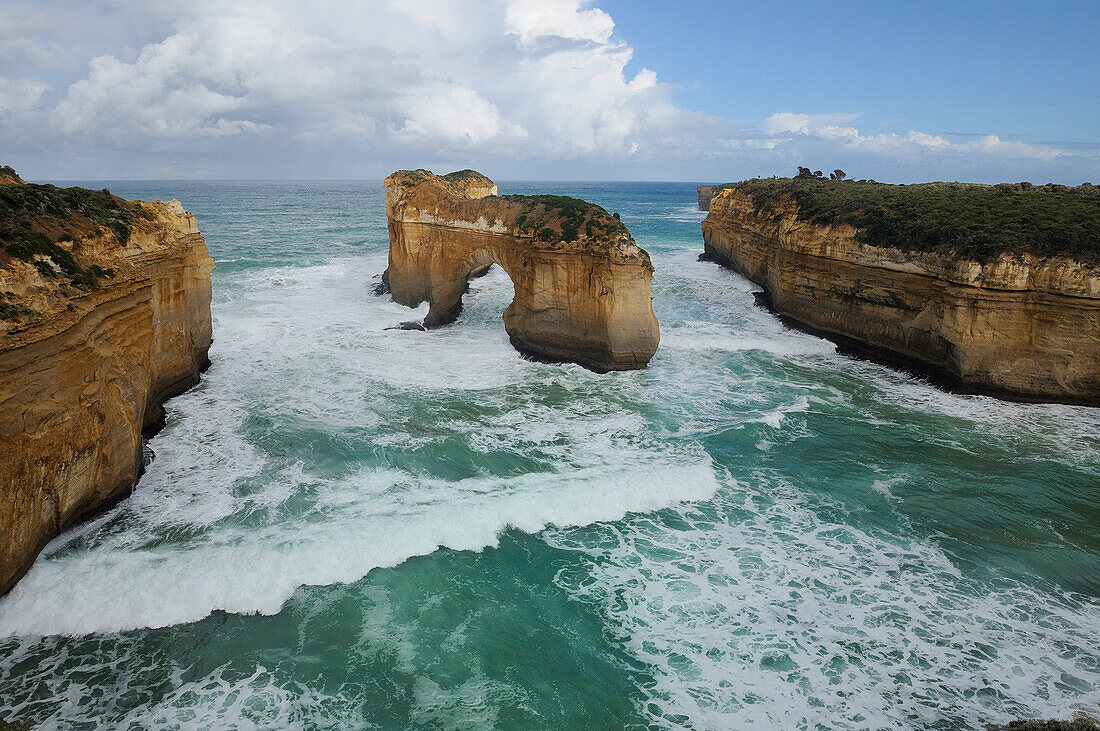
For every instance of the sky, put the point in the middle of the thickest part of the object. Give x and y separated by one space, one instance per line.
707 91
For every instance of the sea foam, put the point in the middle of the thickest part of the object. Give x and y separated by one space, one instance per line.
225 519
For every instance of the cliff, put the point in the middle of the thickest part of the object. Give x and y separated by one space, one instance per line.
582 286
706 192
1010 319
104 314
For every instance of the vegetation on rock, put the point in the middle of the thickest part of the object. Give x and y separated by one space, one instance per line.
13 310
47 206
561 218
32 244
964 219
455 183
8 175
553 222
35 219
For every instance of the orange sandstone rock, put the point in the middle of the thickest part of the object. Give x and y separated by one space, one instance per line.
582 285
1019 326
84 369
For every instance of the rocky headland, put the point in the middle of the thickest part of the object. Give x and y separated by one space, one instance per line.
582 286
992 289
104 314
706 193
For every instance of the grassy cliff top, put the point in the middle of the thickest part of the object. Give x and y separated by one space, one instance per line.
57 212
43 225
965 219
565 219
458 183
550 221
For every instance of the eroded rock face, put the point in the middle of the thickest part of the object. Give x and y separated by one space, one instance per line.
85 365
706 192
582 285
1018 327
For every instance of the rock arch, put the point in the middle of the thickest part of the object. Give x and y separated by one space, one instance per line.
582 285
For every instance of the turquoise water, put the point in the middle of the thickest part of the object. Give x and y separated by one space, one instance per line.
353 527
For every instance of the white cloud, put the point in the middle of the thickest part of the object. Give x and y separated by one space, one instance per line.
453 113
538 78
994 145
788 127
534 19
20 94
804 123
236 83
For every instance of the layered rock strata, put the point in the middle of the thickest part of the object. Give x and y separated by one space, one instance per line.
1018 326
104 314
582 286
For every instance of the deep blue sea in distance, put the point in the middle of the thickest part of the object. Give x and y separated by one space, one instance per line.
347 526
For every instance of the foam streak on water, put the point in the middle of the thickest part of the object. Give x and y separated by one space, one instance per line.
347 526
758 612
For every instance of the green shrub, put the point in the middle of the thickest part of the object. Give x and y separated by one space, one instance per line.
569 230
53 206
964 219
545 213
34 243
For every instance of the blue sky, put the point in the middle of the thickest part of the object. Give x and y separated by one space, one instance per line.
1023 70
550 89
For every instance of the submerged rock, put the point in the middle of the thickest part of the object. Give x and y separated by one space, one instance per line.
408 325
1078 724
582 285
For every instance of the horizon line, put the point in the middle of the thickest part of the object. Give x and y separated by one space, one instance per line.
696 182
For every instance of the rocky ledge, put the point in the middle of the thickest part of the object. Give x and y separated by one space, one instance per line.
104 314
582 285
1007 302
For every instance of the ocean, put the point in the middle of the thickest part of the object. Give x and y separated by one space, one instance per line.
347 526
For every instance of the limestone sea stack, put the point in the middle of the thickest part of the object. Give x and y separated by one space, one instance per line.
994 289
582 286
104 314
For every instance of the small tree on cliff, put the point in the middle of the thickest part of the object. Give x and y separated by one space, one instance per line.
838 174
804 172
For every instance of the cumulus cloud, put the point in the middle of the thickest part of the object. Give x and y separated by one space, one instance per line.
542 77
789 128
234 84
454 113
805 123
534 19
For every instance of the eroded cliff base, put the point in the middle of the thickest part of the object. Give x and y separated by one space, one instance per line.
856 348
1020 324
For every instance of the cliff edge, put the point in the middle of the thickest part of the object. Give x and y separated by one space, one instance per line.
995 289
582 285
104 314
707 193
